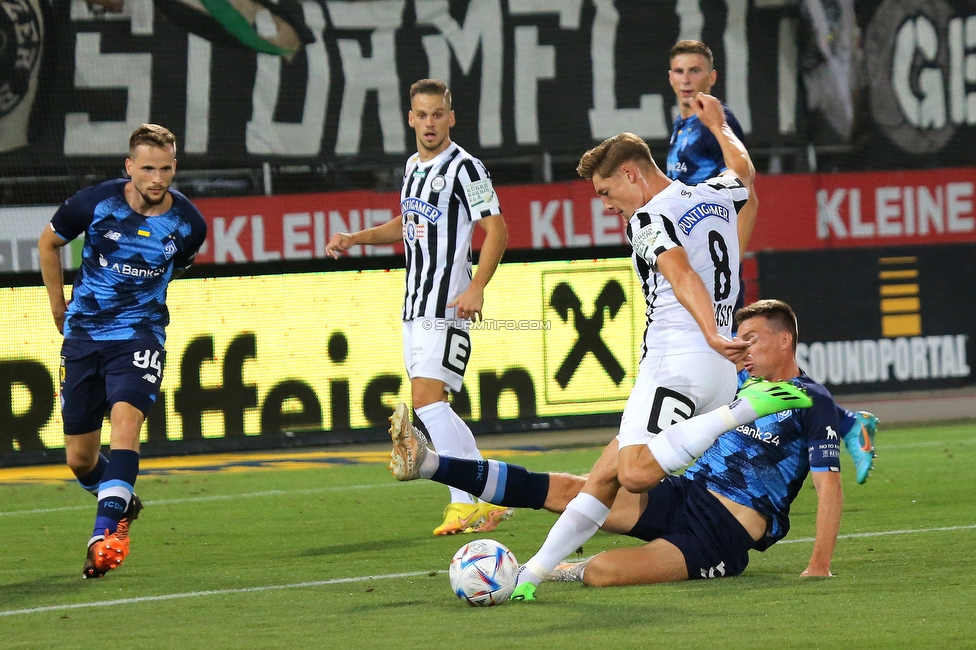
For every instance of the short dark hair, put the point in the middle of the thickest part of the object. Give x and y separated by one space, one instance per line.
692 47
777 312
152 135
606 157
431 87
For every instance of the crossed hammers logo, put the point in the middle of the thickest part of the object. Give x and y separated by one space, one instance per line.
564 300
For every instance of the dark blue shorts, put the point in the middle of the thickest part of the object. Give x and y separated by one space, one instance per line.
686 514
95 375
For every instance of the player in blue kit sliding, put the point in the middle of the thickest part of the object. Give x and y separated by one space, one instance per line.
735 497
695 156
139 235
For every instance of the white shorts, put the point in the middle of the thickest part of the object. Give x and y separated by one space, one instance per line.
437 348
672 388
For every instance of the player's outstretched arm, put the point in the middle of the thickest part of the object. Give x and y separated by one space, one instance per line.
693 296
49 253
470 303
830 504
389 233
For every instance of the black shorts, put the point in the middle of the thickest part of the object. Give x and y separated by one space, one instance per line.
95 375
686 514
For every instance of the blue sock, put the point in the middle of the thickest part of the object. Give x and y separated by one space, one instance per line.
116 490
495 482
90 481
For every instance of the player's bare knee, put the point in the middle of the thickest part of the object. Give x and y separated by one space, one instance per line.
426 391
599 573
633 476
81 461
635 480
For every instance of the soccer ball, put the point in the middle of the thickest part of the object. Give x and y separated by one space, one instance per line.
483 573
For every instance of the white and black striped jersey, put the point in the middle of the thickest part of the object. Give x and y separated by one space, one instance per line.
439 202
702 219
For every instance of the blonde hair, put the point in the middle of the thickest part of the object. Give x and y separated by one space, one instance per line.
431 87
606 157
152 135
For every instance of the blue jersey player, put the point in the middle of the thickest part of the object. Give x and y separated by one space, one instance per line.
139 235
694 156
735 497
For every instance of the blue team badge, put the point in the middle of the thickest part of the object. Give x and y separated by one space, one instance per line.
699 213
411 231
170 248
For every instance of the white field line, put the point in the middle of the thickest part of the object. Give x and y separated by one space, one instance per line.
336 581
213 592
803 540
216 497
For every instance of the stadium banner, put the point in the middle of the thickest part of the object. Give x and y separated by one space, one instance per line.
316 82
880 319
797 212
320 81
273 359
21 45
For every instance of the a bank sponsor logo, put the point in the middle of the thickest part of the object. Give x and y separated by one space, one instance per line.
592 340
243 364
132 271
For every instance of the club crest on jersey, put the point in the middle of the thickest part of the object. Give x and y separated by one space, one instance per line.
413 231
414 206
699 213
438 184
170 248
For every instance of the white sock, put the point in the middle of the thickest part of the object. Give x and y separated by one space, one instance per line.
451 437
685 441
582 517
431 462
743 412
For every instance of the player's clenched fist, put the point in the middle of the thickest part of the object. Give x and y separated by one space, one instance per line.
338 244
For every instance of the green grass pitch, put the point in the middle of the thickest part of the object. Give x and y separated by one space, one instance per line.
310 558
